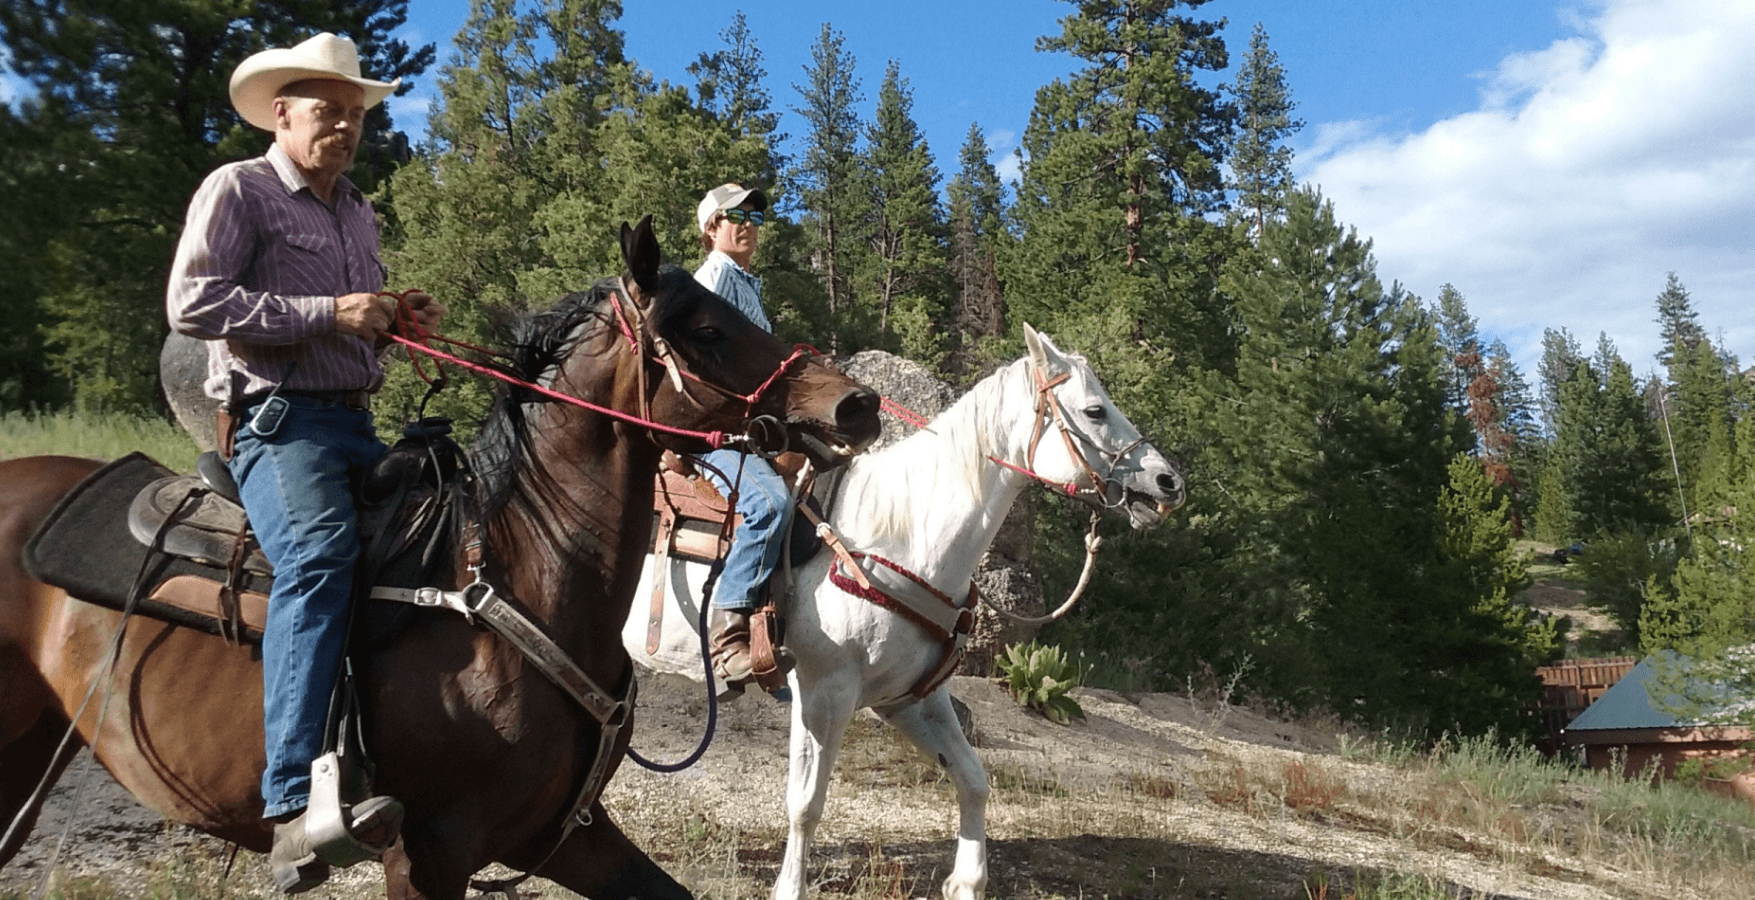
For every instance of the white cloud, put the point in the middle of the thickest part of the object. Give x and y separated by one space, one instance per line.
1591 168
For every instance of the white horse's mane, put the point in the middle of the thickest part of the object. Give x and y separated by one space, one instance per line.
944 463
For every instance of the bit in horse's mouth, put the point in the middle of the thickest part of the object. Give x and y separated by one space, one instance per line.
825 449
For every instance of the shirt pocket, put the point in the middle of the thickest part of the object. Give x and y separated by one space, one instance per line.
310 243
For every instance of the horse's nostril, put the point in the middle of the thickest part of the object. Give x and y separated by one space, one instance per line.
1169 483
855 408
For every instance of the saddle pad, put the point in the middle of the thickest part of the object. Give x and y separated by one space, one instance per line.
85 547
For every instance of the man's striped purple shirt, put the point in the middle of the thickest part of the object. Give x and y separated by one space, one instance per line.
258 268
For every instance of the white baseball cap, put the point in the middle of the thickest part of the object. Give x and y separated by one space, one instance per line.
258 79
727 196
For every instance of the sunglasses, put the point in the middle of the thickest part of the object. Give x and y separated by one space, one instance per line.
740 216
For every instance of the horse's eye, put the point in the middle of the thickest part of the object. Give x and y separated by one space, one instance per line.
1096 413
707 334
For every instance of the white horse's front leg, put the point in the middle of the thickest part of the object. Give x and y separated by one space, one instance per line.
932 725
820 713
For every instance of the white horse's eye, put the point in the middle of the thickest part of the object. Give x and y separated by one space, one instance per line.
1096 413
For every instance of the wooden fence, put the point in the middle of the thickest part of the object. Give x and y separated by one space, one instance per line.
1571 686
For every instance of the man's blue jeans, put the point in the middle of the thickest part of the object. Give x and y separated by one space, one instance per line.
762 500
295 488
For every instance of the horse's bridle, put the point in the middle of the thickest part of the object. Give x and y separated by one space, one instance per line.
643 342
1047 407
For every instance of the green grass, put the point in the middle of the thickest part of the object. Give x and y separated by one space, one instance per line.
74 433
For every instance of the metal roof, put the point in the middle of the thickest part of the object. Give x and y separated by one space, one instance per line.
1628 705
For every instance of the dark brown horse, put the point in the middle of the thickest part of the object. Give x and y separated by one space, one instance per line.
486 752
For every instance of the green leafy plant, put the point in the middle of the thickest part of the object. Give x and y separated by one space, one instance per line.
1039 677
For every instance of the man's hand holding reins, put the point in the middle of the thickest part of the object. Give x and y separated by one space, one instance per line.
364 315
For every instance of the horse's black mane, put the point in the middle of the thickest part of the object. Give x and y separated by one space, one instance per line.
540 341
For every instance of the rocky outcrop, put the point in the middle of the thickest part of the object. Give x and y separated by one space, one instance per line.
182 367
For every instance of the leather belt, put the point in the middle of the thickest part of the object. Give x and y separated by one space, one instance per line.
357 399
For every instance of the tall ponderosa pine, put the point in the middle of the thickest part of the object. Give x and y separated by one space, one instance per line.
1122 170
1261 163
130 104
977 230
904 277
829 183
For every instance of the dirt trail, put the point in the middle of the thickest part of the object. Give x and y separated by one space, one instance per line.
1141 758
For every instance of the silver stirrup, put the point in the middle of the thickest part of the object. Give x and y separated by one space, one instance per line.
327 821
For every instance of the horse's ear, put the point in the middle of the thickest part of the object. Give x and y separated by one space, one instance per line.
1041 348
640 252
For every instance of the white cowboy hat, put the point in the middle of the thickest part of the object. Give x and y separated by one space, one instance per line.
258 79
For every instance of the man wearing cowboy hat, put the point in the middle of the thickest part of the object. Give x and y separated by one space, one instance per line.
278 270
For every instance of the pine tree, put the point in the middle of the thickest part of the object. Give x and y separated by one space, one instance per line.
1696 408
1560 358
977 230
1123 168
1333 436
1554 518
133 99
905 275
1609 452
1707 613
830 186
1680 326
1504 641
1460 335
1516 446
731 85
514 132
1261 163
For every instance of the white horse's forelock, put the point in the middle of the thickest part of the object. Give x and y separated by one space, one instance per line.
915 471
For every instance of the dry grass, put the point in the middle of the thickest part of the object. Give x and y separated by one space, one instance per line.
1214 815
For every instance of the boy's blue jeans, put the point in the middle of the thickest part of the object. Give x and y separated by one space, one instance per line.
762 499
295 488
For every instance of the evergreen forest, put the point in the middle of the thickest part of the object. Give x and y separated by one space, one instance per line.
1367 470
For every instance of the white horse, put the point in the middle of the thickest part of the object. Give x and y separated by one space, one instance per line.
931 504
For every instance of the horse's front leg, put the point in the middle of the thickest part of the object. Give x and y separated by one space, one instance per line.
597 861
821 710
932 725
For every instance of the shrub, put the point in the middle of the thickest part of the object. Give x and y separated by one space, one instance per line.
1039 677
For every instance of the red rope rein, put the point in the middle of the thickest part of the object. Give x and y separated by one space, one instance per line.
405 320
919 421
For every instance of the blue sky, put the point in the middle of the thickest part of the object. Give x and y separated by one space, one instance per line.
1551 160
